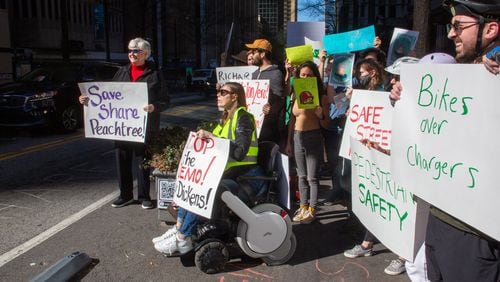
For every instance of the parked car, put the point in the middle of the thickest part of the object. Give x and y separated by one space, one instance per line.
49 94
205 80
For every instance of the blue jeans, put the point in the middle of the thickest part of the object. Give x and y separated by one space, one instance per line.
308 150
189 221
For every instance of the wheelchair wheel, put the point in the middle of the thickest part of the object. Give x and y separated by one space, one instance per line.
187 260
212 257
288 255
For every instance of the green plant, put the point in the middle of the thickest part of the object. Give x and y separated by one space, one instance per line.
166 148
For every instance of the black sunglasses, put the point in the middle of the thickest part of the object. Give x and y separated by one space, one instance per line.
223 92
135 51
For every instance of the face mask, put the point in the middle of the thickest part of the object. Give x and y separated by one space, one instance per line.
364 81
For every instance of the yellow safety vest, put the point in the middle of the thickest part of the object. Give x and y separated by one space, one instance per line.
228 131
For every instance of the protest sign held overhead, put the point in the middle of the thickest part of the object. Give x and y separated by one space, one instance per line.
444 147
370 118
299 54
402 42
341 74
199 173
115 110
350 41
317 46
296 31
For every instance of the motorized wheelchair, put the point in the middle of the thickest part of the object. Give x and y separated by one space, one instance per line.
246 224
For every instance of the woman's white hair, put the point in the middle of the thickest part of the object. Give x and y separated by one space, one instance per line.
140 43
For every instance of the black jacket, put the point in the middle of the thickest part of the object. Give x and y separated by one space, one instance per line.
157 93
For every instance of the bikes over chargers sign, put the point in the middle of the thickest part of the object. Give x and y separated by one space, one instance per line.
115 110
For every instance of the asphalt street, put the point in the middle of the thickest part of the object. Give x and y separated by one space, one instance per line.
119 239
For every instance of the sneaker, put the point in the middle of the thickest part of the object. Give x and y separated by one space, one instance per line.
358 251
147 204
308 216
118 203
171 232
396 267
299 213
174 245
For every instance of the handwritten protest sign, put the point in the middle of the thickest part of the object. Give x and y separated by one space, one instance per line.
299 54
317 46
350 41
370 117
341 74
115 110
306 91
226 74
385 207
257 94
199 173
296 31
402 42
444 146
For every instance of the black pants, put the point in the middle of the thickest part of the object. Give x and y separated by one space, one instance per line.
455 255
128 155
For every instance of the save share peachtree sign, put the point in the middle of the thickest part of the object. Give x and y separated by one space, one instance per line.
115 110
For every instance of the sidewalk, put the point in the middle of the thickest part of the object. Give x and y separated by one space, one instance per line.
119 241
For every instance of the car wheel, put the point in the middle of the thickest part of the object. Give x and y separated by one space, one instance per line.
69 118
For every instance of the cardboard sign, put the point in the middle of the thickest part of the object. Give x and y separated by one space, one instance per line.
444 145
341 74
284 181
402 42
306 91
115 110
317 46
370 117
227 74
257 94
199 173
296 31
385 207
299 54
350 41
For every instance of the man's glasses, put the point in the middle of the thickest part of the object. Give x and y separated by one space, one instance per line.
135 51
459 26
223 92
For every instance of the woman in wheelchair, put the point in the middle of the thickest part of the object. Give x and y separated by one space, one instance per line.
238 125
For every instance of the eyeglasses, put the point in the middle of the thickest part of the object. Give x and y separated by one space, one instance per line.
223 92
135 51
458 26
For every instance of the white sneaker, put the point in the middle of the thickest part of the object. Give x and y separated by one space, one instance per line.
173 245
171 232
396 267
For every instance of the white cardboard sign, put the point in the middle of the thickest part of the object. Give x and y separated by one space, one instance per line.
226 74
115 110
370 117
199 173
385 207
257 94
444 146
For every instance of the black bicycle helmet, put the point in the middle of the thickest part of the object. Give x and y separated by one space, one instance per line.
483 10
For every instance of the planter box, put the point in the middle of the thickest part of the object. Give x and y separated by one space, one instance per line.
165 188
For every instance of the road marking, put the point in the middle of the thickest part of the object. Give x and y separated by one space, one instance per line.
23 248
40 147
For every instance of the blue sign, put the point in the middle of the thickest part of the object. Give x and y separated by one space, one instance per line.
350 41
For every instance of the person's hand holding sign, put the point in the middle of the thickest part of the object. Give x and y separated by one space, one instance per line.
83 99
149 108
203 134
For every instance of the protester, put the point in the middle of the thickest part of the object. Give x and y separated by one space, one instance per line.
273 127
454 250
307 145
239 126
140 69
